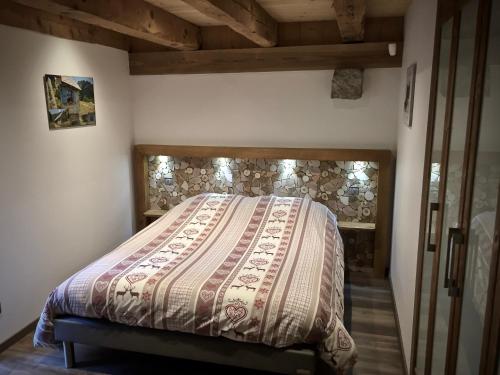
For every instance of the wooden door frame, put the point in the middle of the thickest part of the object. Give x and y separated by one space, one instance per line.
448 120
473 129
442 16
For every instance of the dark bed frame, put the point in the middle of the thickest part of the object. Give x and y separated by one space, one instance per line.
96 332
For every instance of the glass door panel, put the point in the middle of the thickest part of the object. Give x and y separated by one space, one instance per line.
432 206
450 234
483 211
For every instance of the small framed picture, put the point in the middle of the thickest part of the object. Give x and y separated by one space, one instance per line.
70 101
409 95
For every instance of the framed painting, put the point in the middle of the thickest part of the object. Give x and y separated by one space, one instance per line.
409 95
70 101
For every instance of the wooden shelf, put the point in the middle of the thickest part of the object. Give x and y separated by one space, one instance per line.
355 226
155 213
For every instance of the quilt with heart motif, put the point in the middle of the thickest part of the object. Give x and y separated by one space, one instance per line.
265 270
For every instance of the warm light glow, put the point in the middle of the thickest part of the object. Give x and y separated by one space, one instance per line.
288 165
224 169
360 165
359 171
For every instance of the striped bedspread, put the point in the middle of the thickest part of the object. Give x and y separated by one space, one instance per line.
265 270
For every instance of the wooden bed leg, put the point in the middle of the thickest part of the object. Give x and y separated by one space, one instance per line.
69 354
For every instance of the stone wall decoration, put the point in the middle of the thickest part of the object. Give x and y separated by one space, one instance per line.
347 84
348 188
70 101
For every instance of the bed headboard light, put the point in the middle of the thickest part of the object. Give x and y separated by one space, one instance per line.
348 188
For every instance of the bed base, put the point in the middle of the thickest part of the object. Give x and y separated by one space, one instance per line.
294 360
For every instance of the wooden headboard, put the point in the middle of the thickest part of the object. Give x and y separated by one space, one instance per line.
356 184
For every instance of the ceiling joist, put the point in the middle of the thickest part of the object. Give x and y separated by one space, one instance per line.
146 32
358 55
350 15
386 29
246 17
134 18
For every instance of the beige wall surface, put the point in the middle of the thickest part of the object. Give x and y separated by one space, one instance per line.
419 42
286 109
65 195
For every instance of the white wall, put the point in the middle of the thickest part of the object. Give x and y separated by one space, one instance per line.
419 41
287 109
65 195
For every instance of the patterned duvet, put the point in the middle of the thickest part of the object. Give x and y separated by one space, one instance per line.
265 270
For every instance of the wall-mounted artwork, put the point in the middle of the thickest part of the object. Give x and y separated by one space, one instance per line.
409 95
70 101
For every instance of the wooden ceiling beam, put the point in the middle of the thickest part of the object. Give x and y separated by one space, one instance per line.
246 17
134 18
387 29
350 15
16 15
358 55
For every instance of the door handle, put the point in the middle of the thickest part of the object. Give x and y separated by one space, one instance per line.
455 237
431 247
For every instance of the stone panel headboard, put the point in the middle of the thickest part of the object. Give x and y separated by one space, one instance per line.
348 188
355 184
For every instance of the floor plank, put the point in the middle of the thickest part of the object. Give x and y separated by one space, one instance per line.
369 316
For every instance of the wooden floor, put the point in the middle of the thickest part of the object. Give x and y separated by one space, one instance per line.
372 326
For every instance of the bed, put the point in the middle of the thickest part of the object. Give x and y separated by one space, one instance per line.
250 281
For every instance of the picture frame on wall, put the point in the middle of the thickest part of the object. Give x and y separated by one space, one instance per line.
411 73
70 101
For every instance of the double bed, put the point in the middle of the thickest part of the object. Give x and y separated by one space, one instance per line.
254 282
225 277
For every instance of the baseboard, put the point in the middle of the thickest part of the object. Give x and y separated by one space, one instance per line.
398 327
18 336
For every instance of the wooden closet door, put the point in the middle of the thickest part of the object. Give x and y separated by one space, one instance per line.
430 209
462 330
473 323
435 207
449 232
